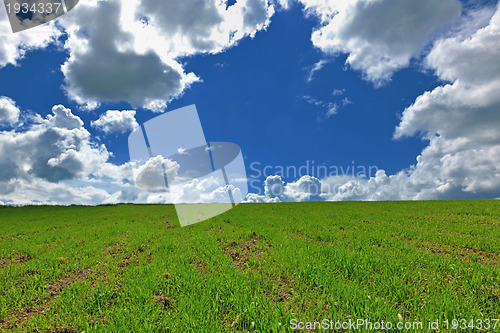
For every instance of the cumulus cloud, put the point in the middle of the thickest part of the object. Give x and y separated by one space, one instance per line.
62 117
55 161
38 164
9 112
307 188
274 187
54 148
209 189
129 52
379 36
153 174
188 27
462 117
104 66
114 121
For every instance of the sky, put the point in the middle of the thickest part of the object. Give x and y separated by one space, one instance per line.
328 100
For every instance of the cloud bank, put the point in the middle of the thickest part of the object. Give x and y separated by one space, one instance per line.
460 119
54 160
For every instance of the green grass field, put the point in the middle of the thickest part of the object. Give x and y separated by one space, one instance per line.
255 268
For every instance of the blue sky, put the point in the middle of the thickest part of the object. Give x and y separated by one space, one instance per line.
259 90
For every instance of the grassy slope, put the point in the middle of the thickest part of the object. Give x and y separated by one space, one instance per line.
131 268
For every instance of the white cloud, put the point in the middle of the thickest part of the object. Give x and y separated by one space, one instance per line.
330 107
255 198
188 27
473 19
274 187
380 36
9 112
104 66
63 118
317 67
38 191
307 188
332 110
208 189
151 175
13 46
129 52
346 101
338 92
114 121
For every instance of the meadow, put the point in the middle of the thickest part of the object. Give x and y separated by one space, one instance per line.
255 268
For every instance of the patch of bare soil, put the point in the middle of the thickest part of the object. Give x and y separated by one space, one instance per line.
316 239
283 291
492 291
14 259
217 230
17 317
165 220
240 253
12 237
464 253
199 266
29 273
167 303
133 259
168 225
128 259
113 249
